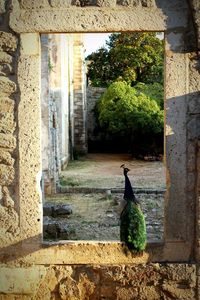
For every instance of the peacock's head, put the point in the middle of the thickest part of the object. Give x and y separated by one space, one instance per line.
126 170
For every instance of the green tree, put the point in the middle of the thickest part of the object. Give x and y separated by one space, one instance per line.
125 112
153 90
131 57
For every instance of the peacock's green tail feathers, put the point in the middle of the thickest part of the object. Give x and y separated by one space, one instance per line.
133 227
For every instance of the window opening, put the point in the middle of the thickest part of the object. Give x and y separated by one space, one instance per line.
102 106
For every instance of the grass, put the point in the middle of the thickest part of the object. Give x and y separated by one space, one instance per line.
67 181
96 216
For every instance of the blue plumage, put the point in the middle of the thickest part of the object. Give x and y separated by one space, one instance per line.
132 222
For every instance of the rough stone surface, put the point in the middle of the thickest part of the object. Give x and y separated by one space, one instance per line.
130 2
6 69
90 19
2 6
55 229
7 201
5 158
8 42
30 4
5 64
61 210
5 58
155 281
9 225
29 136
7 86
196 11
7 124
151 281
148 3
6 174
60 3
7 141
57 210
106 3
194 128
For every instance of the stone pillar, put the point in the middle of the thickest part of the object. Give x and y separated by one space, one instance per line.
29 122
80 135
45 112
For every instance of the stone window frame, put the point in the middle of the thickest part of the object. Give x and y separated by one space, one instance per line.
178 230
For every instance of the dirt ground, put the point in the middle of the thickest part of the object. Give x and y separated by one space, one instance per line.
103 170
96 216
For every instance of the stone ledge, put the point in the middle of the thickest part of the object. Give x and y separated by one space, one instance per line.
137 190
89 252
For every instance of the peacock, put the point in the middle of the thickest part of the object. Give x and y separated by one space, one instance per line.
132 222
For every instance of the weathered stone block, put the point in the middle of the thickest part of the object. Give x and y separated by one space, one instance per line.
57 210
60 3
5 57
191 157
193 127
7 174
191 182
55 229
108 3
22 281
148 3
194 104
2 6
7 200
8 42
7 86
5 158
47 209
9 222
68 289
7 124
6 69
30 4
7 141
61 210
129 2
6 105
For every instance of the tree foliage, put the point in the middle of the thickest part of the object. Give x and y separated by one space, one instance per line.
131 57
125 111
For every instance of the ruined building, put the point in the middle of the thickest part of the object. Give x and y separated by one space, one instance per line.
63 104
32 269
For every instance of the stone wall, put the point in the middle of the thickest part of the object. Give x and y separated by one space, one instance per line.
93 95
9 99
55 99
79 79
31 269
144 282
63 104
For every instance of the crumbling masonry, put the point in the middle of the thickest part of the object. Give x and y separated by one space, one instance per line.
31 269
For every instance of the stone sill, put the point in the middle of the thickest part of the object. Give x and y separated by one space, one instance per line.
33 251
